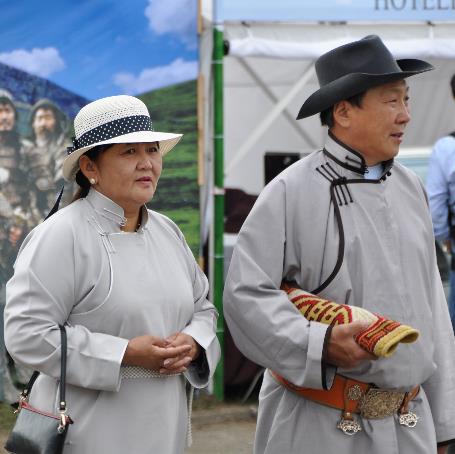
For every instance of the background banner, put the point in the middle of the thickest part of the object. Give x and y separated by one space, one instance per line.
337 10
55 57
58 55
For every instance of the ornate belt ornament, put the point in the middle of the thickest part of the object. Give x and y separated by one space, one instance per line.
380 403
377 404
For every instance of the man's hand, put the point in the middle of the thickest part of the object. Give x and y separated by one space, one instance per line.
152 352
343 350
172 364
442 450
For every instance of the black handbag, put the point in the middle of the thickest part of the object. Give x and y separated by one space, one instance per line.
35 431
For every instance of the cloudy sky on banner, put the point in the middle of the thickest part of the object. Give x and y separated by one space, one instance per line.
100 48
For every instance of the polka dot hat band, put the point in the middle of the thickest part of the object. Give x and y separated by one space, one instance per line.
116 119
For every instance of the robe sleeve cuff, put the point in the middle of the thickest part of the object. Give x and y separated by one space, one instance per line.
101 371
327 371
202 336
198 371
316 376
116 366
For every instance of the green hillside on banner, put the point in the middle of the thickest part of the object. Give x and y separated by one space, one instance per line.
174 109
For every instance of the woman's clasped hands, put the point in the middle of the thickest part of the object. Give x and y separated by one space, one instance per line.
171 355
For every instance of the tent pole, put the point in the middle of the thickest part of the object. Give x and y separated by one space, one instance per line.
218 276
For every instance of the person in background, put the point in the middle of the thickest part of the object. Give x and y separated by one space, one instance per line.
17 217
44 160
351 225
441 195
127 287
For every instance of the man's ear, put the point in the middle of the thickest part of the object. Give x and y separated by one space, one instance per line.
342 114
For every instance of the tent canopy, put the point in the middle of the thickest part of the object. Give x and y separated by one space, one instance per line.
269 72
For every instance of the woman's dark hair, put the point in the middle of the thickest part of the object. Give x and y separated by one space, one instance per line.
84 185
326 116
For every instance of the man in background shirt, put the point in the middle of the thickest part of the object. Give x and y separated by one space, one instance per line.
441 193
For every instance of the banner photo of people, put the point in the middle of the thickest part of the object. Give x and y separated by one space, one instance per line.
143 48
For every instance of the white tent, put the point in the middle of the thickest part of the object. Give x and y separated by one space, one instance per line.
269 72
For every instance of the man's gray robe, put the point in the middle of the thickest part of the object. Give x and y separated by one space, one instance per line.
373 248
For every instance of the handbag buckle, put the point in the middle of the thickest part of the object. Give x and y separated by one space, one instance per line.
62 425
23 398
64 420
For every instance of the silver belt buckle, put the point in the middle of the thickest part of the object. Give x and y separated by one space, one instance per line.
348 425
408 419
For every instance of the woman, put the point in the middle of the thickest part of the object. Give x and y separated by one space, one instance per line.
126 285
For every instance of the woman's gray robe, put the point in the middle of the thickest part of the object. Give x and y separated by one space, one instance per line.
79 268
380 255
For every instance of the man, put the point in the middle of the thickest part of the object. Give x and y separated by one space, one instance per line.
349 224
441 194
48 124
16 208
16 215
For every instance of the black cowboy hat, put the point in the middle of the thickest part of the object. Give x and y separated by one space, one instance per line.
354 68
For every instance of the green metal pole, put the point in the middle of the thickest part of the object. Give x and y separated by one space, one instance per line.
218 275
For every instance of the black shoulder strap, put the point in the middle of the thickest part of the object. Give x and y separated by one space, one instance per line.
25 393
54 209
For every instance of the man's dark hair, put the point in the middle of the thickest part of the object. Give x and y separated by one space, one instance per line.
326 115
7 102
452 85
10 138
46 104
7 98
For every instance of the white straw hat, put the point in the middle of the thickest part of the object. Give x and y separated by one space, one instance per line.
116 119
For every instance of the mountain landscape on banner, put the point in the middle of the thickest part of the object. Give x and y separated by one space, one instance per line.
172 108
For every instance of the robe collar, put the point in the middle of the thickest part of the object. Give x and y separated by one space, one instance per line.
112 214
351 163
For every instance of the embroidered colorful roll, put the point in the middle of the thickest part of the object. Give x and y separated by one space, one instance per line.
382 336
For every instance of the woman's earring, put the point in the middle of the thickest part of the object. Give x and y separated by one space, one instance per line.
92 181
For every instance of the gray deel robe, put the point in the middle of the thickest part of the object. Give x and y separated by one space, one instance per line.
79 268
388 266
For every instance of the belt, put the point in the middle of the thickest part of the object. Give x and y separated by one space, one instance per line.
128 372
356 397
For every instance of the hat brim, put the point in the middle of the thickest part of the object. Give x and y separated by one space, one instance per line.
355 83
167 142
